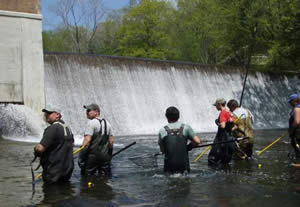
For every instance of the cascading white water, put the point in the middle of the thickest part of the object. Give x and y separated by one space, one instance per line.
20 123
133 94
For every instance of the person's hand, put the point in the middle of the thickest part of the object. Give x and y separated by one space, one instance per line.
36 153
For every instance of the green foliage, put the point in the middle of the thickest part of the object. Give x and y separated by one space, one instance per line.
144 31
261 34
57 40
197 23
284 53
106 39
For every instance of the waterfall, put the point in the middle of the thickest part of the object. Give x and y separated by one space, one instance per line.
20 123
133 94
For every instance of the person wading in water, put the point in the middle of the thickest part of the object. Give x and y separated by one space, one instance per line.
243 127
173 140
98 141
55 148
294 123
222 153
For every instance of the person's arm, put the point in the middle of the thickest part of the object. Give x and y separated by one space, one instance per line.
111 141
47 140
296 117
86 140
160 143
224 117
196 140
90 129
222 124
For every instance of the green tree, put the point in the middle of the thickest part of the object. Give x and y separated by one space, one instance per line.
106 39
144 31
284 53
58 40
196 30
245 31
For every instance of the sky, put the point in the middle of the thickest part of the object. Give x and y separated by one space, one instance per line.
50 20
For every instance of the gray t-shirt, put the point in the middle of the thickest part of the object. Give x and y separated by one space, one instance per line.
93 127
187 131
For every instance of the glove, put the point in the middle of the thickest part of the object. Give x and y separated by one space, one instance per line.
189 146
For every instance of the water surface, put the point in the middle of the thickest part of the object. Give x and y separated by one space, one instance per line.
242 183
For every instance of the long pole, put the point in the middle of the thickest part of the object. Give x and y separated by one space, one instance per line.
126 147
215 143
79 149
74 152
245 80
270 145
202 153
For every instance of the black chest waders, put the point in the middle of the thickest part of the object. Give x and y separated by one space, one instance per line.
98 155
294 134
221 153
58 168
176 154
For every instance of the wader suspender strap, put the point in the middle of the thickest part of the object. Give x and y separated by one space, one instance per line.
181 130
65 127
174 131
100 131
105 129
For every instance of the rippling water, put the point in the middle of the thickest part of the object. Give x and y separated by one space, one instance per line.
240 184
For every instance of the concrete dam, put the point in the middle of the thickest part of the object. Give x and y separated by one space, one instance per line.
134 93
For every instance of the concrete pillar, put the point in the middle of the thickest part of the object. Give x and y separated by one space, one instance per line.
21 59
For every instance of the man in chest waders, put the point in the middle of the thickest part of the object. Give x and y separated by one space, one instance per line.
294 123
222 153
56 148
243 127
173 140
98 141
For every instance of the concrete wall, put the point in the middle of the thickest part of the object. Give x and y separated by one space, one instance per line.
21 58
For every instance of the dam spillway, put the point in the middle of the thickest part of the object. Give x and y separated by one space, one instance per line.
134 93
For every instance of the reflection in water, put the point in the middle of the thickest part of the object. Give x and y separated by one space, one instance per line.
58 192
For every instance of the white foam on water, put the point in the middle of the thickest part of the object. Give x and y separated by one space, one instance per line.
20 123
